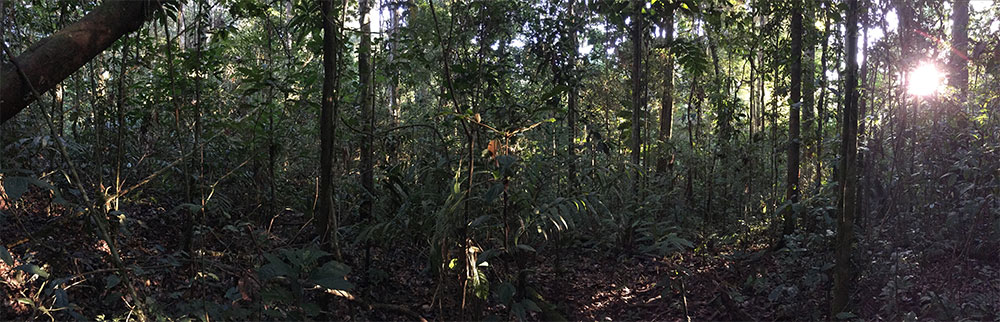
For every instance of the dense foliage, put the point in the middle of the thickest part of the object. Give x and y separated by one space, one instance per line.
508 159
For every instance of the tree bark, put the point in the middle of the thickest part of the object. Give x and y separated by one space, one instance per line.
821 106
636 35
393 91
960 47
573 96
667 94
51 60
795 103
326 219
808 90
367 117
848 182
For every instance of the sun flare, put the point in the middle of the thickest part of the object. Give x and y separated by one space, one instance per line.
926 80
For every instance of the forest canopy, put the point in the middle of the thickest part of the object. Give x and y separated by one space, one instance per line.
499 159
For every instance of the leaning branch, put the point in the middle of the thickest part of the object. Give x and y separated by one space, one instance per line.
50 60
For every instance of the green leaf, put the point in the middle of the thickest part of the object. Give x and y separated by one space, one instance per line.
15 187
334 268
518 310
310 309
493 193
526 247
845 315
192 208
33 269
506 293
26 301
111 281
334 283
5 256
276 267
555 91
530 305
479 220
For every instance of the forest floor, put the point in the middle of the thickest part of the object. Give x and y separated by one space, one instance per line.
708 283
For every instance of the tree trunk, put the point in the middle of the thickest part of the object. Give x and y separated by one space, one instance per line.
636 35
906 14
326 219
848 150
667 94
821 107
808 89
960 47
367 115
393 92
689 184
50 60
573 96
795 103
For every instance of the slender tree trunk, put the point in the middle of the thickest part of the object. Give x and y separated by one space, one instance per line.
573 95
795 104
637 88
863 105
199 125
849 148
326 219
774 138
367 118
77 106
808 90
58 108
272 146
175 97
195 218
723 122
120 120
667 94
393 92
902 128
749 147
689 184
960 47
821 107
98 88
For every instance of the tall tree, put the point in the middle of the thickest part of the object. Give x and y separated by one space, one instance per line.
637 88
794 105
326 218
667 90
573 94
34 69
906 43
809 43
848 181
393 34
367 114
821 105
960 46
394 74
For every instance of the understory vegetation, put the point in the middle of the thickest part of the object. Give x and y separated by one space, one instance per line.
500 160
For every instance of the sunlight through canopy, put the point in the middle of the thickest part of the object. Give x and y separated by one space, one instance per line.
926 80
